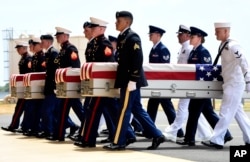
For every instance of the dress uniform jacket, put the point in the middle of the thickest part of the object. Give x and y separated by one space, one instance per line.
38 60
68 56
23 63
200 56
99 49
159 54
51 66
129 49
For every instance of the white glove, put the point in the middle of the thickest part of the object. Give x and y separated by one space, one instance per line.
131 86
248 87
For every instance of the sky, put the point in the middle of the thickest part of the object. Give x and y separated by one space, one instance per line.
40 17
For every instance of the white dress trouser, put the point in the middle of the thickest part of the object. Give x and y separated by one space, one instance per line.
203 128
231 107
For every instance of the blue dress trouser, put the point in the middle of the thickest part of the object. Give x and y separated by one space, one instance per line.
131 103
50 104
168 108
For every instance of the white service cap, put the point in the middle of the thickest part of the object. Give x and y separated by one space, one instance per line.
21 44
183 29
60 30
36 40
97 22
222 25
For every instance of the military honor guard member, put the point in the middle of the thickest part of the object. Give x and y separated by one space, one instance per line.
24 65
78 136
32 113
236 79
183 35
99 49
130 77
50 101
199 55
67 57
160 54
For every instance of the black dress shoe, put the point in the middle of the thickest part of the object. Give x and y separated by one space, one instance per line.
211 144
156 142
73 130
107 140
227 139
19 130
28 133
130 140
84 144
51 138
105 131
114 147
183 142
76 137
9 129
42 135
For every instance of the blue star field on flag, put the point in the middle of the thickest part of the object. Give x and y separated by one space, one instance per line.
208 72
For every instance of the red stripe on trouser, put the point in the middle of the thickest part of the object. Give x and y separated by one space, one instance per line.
92 117
15 117
63 116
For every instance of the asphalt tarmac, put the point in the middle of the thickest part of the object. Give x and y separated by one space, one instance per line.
16 147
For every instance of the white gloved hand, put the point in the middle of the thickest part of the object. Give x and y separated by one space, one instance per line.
248 87
131 86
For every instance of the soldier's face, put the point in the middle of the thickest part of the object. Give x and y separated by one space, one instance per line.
21 50
60 38
153 37
221 33
37 47
31 47
195 40
44 44
95 31
182 37
87 33
121 24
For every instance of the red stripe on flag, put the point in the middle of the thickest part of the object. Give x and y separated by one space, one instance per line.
19 78
170 75
71 78
149 75
37 76
104 74
90 70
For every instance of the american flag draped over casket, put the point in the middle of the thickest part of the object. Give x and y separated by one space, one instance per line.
16 85
165 80
68 83
34 85
98 80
